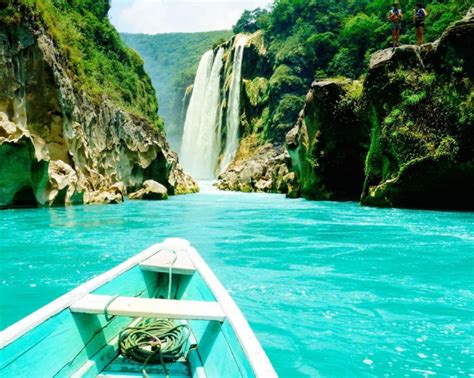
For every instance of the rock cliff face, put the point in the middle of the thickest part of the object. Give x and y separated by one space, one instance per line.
260 164
329 143
404 138
418 102
266 171
59 146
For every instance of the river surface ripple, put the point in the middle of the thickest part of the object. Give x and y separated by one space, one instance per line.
331 289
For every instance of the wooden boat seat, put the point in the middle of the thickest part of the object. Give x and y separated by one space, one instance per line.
161 261
149 308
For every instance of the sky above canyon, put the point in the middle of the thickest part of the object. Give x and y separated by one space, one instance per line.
169 16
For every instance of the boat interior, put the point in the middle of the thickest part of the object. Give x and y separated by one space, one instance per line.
82 340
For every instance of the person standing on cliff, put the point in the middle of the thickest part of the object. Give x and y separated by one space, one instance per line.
396 17
419 15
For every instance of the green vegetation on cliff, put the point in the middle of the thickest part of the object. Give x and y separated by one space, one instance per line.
326 37
411 122
419 104
308 39
171 60
328 145
403 136
96 57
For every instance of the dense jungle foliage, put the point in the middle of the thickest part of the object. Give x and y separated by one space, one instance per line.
310 39
326 37
95 56
171 60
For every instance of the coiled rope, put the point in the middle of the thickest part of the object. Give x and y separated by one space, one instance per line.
155 340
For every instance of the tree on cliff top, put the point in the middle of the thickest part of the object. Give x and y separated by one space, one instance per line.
251 21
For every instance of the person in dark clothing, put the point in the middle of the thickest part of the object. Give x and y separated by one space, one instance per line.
419 15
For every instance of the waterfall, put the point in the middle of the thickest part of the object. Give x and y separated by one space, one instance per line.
201 143
210 139
202 135
233 109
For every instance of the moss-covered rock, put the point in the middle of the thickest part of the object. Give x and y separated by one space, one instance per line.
328 144
256 63
268 110
454 50
264 169
419 105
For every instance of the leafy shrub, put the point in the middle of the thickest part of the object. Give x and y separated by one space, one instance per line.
285 81
251 21
288 110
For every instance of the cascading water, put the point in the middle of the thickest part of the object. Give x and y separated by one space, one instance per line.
201 139
201 143
210 137
233 110
19 105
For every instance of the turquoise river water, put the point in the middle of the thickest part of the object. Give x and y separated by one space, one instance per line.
331 289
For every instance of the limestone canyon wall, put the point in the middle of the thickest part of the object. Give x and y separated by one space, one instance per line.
57 145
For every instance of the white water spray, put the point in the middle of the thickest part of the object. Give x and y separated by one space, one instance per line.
233 110
202 135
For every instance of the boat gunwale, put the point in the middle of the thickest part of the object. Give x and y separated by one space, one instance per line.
257 358
28 323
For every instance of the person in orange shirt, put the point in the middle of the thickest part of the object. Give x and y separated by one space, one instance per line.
396 17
